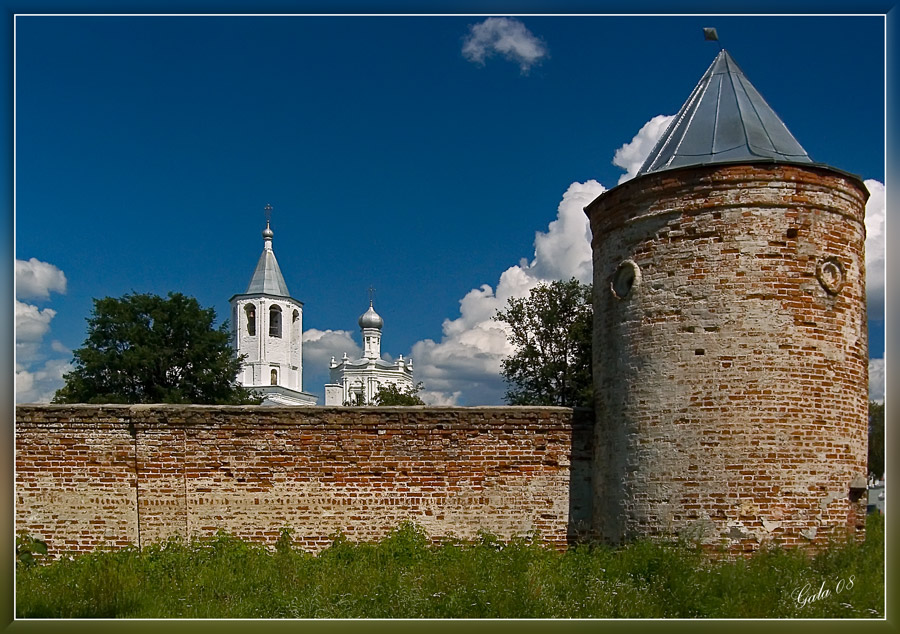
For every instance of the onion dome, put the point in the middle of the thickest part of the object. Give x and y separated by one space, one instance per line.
371 319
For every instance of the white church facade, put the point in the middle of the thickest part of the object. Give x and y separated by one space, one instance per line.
267 327
356 381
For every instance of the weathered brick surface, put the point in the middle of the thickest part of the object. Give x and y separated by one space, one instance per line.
75 481
157 471
731 383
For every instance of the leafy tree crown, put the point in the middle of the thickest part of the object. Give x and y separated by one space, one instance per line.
551 331
390 394
143 348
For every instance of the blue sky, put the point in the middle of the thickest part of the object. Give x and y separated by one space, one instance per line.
412 154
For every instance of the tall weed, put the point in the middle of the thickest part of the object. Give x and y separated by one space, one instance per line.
405 576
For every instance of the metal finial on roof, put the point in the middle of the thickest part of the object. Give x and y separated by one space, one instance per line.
267 277
371 295
710 35
267 232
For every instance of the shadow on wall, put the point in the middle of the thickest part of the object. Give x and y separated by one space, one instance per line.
581 489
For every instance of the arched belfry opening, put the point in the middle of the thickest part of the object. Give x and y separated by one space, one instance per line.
250 319
275 321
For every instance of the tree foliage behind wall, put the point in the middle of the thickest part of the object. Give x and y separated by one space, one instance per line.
551 330
143 348
390 394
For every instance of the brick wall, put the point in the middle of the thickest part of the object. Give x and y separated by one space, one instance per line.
731 362
75 476
93 475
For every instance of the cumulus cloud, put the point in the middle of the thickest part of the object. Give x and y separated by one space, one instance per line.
504 36
57 346
875 248
37 382
32 323
36 279
40 384
463 368
632 155
876 380
319 346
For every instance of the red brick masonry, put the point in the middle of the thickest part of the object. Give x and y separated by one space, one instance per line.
731 367
89 475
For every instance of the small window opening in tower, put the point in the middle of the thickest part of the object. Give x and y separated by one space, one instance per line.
625 277
274 377
296 316
250 309
275 321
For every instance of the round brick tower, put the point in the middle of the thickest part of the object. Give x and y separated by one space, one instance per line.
730 350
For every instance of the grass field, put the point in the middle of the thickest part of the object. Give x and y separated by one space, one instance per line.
406 576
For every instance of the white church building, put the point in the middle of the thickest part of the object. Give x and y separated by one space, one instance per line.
267 327
356 381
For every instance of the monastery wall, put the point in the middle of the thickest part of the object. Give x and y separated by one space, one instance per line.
91 475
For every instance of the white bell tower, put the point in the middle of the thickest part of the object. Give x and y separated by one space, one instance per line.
267 327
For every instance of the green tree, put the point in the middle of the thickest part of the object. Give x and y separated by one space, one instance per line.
876 439
143 348
390 394
551 331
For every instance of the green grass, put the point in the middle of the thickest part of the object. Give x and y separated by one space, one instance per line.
405 576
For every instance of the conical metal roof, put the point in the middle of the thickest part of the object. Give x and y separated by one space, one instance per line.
725 120
267 277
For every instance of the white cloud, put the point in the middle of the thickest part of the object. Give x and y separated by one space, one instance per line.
39 386
319 346
57 346
632 155
32 323
464 367
876 380
507 37
34 385
441 399
36 279
875 248
37 383
564 251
